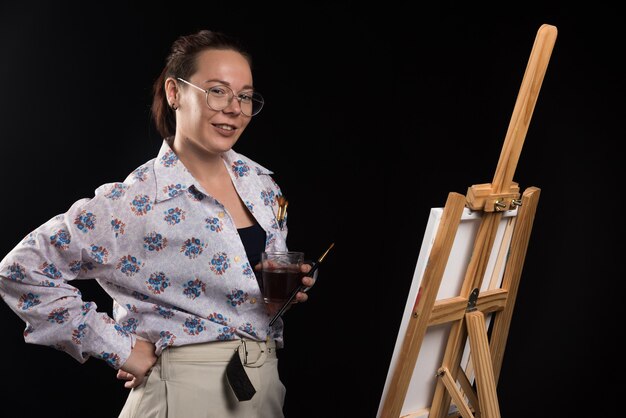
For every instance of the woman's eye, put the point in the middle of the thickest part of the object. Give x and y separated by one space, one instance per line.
218 91
245 97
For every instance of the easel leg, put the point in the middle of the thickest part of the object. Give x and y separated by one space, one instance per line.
512 274
457 396
483 367
468 390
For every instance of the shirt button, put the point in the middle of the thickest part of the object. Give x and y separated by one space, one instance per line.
253 300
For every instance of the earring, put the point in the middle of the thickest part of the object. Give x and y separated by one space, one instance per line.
173 106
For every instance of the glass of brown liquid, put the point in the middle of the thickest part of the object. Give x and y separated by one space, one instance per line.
280 274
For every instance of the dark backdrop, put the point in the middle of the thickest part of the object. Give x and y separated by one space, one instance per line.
373 115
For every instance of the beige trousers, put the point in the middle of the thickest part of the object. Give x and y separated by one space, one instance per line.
190 382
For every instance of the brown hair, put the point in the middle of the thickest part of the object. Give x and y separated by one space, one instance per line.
181 62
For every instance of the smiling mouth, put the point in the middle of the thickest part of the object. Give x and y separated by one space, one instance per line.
225 127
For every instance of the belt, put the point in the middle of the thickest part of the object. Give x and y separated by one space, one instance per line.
238 353
251 353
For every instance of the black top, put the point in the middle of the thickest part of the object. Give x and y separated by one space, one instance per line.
253 239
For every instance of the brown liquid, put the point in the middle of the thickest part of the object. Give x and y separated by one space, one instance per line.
279 284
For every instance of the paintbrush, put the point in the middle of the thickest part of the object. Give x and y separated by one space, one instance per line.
301 287
282 210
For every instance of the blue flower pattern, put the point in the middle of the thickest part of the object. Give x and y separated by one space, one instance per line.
59 315
99 254
268 197
141 173
115 191
192 247
126 327
154 242
240 168
61 239
220 263
141 205
15 272
248 329
28 300
193 326
129 265
236 297
157 283
118 227
51 271
194 288
85 221
226 334
195 194
218 318
174 190
169 159
247 270
112 359
79 333
214 224
167 339
174 216
30 239
164 312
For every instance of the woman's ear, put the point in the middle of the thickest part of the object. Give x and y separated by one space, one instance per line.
171 92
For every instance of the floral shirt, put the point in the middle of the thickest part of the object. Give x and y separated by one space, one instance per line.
167 253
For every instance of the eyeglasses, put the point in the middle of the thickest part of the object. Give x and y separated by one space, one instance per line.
220 97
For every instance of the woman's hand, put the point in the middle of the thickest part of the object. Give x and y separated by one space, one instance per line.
306 281
138 364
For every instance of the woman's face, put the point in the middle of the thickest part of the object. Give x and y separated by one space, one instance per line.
199 126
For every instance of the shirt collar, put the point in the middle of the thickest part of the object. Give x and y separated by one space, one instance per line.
172 177
241 167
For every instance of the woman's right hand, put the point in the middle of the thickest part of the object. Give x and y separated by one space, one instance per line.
138 364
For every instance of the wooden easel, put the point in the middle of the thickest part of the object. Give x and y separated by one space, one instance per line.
466 312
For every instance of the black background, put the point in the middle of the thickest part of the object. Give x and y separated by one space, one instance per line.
373 115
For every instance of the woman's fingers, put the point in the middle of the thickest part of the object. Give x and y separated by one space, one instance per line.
122 375
132 383
301 297
306 281
131 380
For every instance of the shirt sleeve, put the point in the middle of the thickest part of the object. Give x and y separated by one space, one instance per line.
34 282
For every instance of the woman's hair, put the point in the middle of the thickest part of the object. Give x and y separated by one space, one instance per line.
181 62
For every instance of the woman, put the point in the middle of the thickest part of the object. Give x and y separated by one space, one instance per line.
174 245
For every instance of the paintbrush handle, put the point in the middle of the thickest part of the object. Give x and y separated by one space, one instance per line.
301 287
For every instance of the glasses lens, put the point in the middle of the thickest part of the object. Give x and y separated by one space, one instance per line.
219 98
254 104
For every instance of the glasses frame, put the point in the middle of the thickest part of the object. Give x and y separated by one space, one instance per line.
256 97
